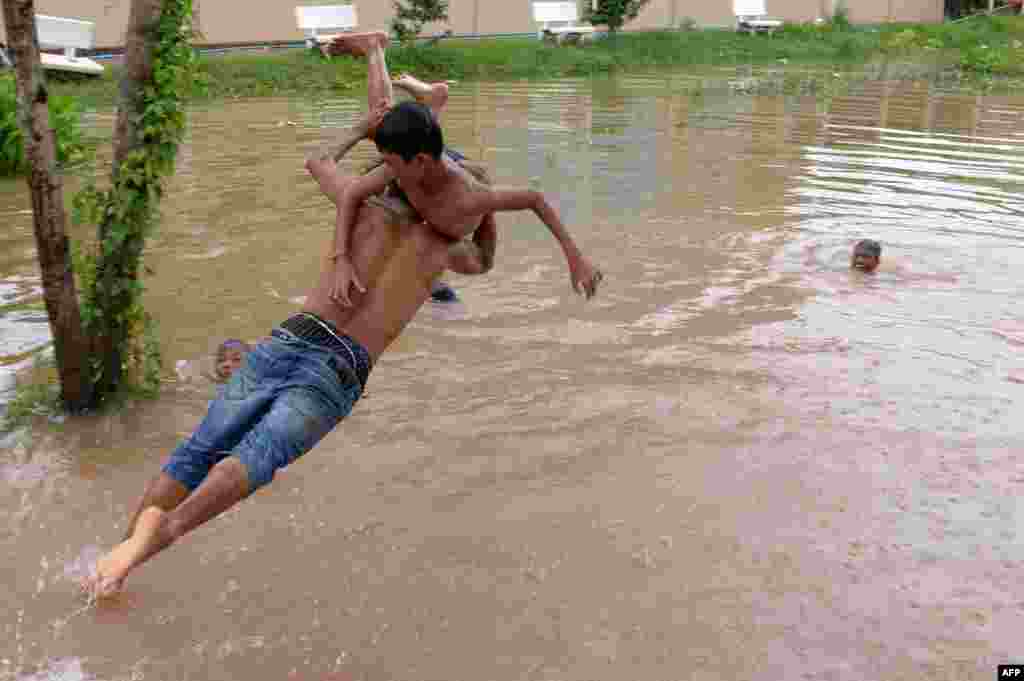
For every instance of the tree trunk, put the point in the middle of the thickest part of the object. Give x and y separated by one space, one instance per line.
48 217
123 264
197 23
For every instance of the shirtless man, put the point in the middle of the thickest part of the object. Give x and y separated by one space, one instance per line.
296 386
448 197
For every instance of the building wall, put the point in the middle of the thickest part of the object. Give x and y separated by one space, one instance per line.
223 21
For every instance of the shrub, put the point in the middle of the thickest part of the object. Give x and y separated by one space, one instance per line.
64 118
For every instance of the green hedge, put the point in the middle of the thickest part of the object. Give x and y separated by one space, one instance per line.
64 118
981 46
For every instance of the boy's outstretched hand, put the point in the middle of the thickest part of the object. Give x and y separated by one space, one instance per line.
344 277
585 277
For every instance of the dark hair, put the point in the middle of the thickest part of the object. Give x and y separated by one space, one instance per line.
409 129
868 247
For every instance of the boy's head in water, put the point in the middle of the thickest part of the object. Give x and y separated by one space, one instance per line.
867 253
229 357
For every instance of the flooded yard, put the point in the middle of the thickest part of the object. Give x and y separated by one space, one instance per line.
741 460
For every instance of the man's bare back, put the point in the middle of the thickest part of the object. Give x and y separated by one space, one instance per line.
398 260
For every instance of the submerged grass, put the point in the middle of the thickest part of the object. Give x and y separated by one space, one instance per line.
37 394
985 46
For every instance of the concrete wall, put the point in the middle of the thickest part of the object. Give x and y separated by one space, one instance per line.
232 21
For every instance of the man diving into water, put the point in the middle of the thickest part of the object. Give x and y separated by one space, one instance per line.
296 386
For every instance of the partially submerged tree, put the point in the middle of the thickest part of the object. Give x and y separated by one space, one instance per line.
150 125
612 13
71 347
104 330
412 15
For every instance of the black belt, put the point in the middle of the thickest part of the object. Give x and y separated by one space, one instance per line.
313 329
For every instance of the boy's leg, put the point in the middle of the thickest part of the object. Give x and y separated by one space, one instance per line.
290 423
156 529
433 95
378 83
379 94
191 466
163 492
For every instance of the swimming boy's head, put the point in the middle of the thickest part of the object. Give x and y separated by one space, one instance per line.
230 355
409 139
866 255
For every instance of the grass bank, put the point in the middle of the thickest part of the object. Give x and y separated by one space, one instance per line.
985 47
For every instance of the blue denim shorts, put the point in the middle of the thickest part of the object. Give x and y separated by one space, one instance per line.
287 395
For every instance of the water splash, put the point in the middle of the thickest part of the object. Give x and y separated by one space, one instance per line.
83 566
63 669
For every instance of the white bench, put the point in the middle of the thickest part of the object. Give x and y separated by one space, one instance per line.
560 21
69 35
324 23
752 17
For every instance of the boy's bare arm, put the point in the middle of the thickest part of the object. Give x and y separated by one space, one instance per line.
351 199
476 257
495 199
348 209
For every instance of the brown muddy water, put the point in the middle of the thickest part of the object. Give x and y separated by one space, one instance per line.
741 461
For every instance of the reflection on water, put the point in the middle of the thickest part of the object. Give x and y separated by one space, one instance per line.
740 444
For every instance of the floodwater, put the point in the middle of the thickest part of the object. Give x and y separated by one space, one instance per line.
740 461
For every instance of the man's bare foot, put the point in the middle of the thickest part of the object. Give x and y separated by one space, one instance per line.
434 95
112 568
362 44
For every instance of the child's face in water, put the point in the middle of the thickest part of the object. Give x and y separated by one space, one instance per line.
864 263
866 255
229 360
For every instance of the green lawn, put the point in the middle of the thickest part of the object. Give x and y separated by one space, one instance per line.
983 47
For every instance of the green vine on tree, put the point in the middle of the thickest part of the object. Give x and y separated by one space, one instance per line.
109 271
